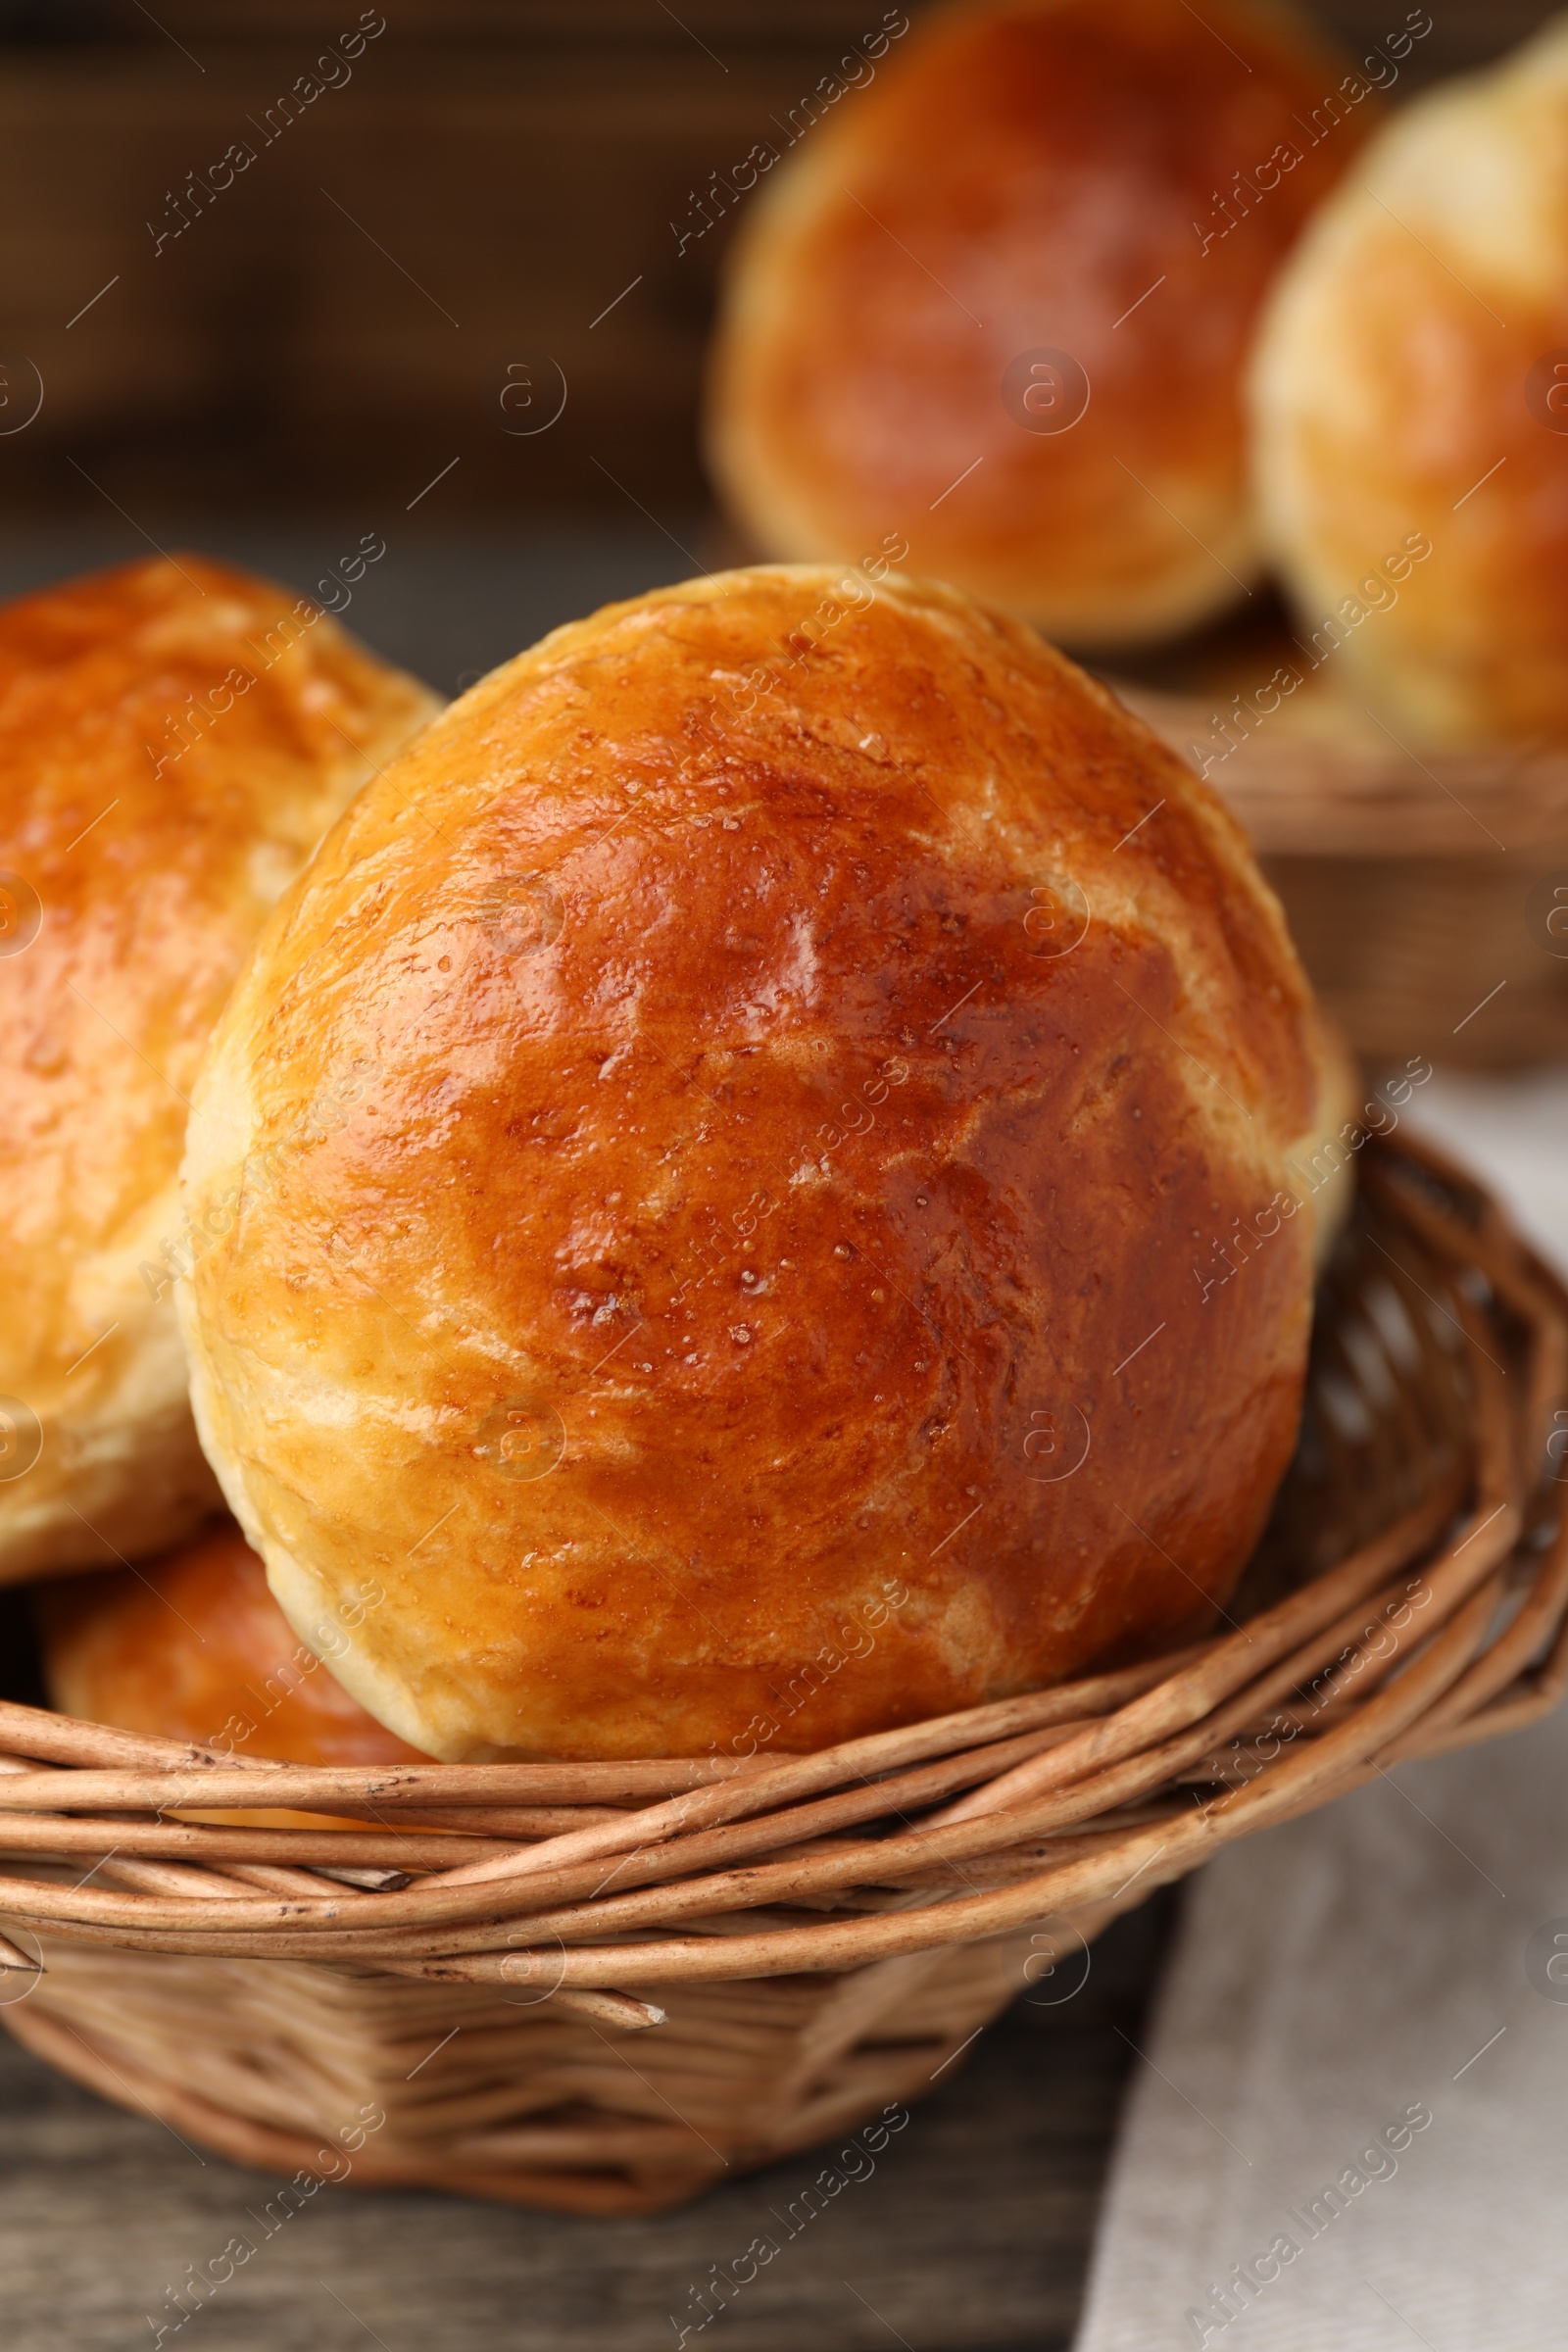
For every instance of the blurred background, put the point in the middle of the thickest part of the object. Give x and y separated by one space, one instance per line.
482 207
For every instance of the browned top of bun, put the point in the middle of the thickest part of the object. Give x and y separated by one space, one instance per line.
788 1095
193 1646
174 737
1028 176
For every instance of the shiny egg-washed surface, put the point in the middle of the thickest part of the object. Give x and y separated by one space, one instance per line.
792 1068
174 737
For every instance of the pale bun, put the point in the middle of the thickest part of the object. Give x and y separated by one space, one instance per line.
1411 406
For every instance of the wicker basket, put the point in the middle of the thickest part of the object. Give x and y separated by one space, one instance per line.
601 1987
1418 885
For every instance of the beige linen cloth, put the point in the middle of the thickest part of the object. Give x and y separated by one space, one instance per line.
1351 2131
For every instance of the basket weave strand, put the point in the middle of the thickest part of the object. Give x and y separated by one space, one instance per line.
1411 923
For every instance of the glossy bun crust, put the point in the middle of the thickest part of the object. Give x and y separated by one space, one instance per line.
193 1646
1108 178
802 1044
1412 391
154 805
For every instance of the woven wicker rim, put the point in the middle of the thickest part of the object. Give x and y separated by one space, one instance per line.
1320 778
576 1880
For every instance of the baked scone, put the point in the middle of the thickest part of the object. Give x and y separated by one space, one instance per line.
816 1242
193 1646
1411 412
997 306
174 738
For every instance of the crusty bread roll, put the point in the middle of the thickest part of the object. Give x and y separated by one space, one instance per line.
174 737
999 303
815 1246
1411 406
193 1646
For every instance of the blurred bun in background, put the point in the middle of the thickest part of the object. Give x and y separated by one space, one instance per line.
193 1646
1002 304
1411 402
174 738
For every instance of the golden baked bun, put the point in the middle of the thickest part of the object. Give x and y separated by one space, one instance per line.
771 1285
1411 406
174 737
997 305
193 1646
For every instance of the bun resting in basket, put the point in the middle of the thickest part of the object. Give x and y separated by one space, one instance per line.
999 304
174 737
193 1646
778 1264
1411 412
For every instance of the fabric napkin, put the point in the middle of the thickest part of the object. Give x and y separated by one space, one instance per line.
1351 2131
